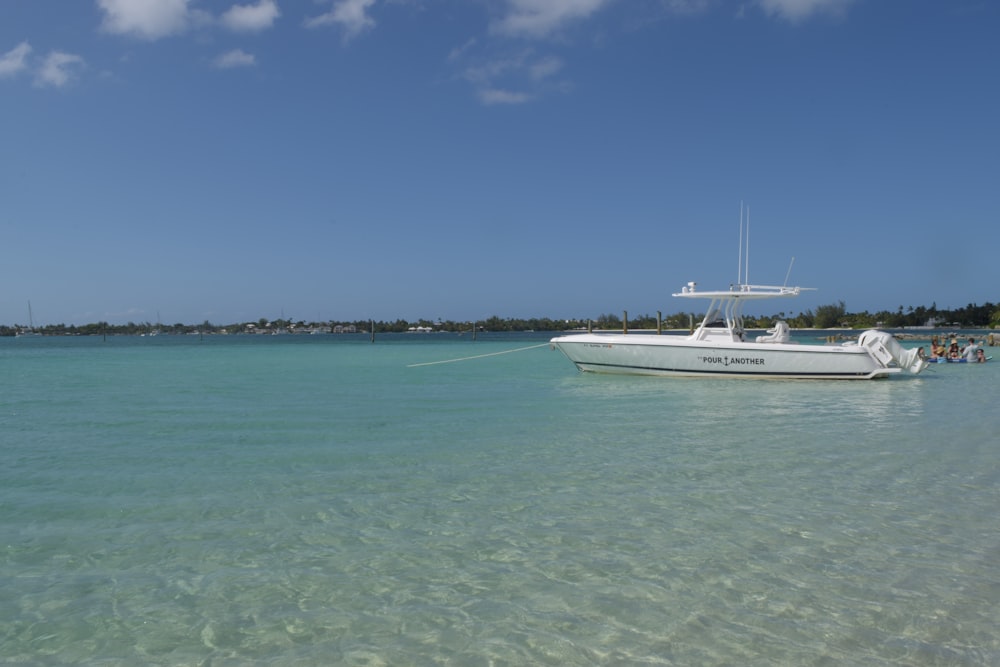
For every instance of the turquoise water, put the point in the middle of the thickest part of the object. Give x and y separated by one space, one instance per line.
315 500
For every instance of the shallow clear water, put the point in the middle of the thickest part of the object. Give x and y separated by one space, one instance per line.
316 500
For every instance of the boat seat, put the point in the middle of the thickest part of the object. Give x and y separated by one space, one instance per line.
779 334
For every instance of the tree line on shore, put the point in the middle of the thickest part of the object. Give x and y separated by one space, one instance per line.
829 316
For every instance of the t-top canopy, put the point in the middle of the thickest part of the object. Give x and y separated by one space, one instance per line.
741 292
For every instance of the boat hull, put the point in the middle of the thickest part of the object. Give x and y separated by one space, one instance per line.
674 356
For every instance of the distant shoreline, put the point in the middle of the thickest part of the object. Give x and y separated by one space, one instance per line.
916 321
832 334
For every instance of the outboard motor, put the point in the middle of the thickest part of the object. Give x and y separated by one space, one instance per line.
883 347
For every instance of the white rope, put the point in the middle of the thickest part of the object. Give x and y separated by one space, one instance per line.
478 356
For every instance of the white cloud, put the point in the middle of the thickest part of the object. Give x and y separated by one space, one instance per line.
148 19
492 69
459 51
799 10
515 78
57 69
235 58
251 18
351 15
14 60
491 96
545 68
687 7
538 18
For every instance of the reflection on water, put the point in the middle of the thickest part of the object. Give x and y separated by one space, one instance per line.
803 401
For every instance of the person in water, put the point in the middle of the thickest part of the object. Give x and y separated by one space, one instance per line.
969 351
980 356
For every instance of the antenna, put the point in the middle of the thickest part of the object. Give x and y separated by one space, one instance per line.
746 265
789 271
739 264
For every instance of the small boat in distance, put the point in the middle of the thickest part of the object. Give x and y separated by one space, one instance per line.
719 348
30 331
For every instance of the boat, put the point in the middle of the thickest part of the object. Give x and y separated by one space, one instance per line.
30 331
720 347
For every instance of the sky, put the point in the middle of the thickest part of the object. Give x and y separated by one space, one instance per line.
191 160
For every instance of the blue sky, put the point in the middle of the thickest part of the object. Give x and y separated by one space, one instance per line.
191 160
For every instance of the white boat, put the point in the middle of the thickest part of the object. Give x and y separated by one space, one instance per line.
30 331
720 348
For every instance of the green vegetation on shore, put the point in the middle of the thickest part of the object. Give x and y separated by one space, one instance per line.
825 317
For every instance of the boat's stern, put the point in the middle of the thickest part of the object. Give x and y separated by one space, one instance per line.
886 350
